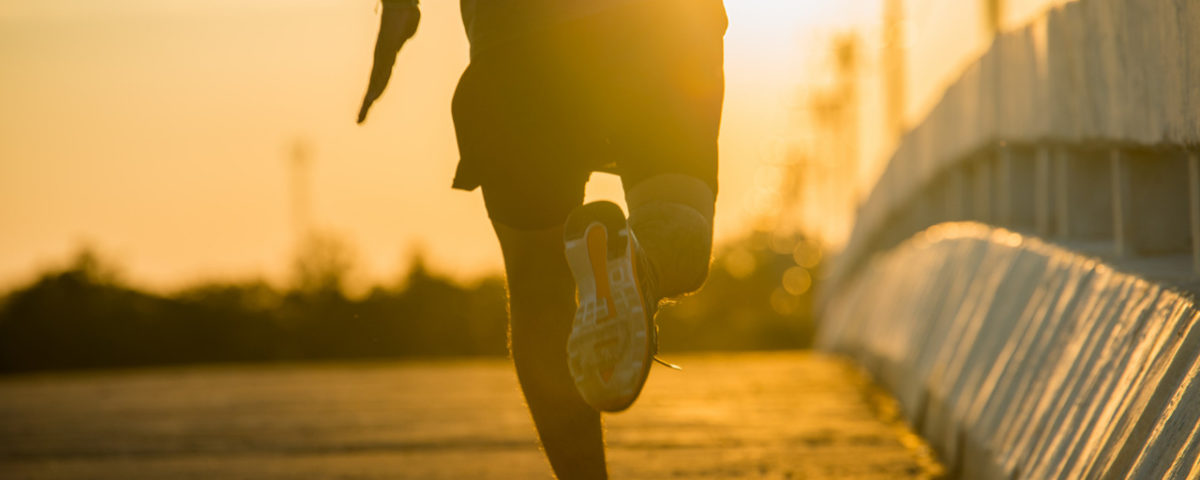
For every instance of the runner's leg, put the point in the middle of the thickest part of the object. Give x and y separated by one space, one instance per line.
664 92
541 296
527 209
672 216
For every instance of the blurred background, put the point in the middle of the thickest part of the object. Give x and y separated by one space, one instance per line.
183 181
207 270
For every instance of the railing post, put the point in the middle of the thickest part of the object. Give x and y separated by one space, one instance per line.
1194 194
1003 210
1085 197
956 194
1121 205
925 212
1150 191
1043 200
1062 184
981 174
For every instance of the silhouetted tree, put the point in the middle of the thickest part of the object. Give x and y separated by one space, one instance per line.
84 316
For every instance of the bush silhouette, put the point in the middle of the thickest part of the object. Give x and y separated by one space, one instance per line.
85 316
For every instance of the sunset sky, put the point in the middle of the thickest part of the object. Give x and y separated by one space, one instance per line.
159 132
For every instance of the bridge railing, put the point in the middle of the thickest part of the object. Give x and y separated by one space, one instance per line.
1083 126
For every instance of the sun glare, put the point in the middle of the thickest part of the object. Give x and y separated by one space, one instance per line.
217 156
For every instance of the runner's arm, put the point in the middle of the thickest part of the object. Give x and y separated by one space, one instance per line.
397 24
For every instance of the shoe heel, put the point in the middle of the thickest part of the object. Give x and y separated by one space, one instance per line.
604 212
610 336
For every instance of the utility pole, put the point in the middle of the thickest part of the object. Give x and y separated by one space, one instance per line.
300 163
993 16
894 57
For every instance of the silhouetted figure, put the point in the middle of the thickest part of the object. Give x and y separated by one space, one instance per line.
557 89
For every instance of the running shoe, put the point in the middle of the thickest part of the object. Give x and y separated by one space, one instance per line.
613 338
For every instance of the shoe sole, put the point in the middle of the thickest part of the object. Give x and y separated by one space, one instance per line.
608 350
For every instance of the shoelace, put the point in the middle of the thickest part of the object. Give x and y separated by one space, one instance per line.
667 364
654 356
650 302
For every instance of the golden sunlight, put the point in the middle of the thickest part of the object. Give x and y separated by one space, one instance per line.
145 127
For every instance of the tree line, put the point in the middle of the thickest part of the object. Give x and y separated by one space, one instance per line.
85 316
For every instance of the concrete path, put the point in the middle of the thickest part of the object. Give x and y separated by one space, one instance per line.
774 416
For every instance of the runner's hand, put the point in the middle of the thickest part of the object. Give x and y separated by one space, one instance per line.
397 24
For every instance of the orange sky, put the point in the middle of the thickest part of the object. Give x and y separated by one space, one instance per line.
159 132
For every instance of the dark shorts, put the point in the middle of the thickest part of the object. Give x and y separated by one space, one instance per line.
634 90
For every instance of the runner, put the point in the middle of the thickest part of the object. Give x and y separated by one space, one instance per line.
556 90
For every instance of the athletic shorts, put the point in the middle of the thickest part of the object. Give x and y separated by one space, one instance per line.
635 90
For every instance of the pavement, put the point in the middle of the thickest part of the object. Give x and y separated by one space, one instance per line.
789 415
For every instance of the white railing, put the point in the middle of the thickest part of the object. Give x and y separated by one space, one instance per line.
1083 125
